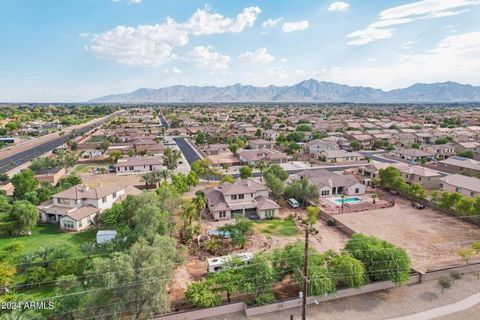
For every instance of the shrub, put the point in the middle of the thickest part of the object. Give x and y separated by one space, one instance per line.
331 222
264 299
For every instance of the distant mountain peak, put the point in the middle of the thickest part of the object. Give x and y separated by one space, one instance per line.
310 90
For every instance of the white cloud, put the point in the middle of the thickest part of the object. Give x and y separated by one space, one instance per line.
420 10
135 1
258 56
455 58
152 45
339 6
172 70
295 26
270 23
368 35
204 58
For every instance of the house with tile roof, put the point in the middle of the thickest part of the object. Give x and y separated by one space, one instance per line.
248 198
331 183
77 208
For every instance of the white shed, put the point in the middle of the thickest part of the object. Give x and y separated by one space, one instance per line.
105 236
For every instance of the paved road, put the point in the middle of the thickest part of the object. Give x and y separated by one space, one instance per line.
22 157
374 156
164 122
461 305
187 150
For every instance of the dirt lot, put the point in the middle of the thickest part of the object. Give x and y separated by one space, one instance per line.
431 239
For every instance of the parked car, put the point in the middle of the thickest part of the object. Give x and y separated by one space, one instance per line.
293 203
417 205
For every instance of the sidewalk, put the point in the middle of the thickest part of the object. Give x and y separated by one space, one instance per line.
388 304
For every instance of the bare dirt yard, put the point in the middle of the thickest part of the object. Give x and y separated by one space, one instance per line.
431 239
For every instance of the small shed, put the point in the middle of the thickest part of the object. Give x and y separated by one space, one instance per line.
105 236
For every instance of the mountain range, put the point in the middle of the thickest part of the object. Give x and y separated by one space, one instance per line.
305 91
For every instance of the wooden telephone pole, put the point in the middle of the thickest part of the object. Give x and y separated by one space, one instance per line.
305 274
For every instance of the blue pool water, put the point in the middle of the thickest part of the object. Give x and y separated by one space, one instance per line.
348 200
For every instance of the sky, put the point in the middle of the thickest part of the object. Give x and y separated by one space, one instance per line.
76 50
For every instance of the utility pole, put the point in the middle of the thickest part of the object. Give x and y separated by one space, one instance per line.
305 274
312 216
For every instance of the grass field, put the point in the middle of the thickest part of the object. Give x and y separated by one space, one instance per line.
278 228
82 168
50 235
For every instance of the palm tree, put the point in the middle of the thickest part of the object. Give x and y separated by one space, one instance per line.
147 178
88 248
343 201
374 197
261 165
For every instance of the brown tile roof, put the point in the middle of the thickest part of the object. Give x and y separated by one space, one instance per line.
82 212
81 192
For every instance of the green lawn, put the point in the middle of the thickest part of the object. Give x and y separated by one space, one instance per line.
50 235
82 168
278 228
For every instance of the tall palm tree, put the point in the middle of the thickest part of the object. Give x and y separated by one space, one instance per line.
261 165
147 178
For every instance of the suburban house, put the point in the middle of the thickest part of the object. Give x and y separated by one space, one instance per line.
468 186
405 139
139 164
339 156
249 198
270 135
460 165
330 183
260 144
215 149
411 174
253 157
412 154
439 151
317 146
76 208
365 140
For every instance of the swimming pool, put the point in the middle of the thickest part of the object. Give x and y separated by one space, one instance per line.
347 200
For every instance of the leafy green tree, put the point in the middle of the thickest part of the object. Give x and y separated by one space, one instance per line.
170 158
200 138
355 145
25 214
382 260
228 178
114 156
293 147
277 171
389 177
192 179
5 206
275 184
347 270
245 172
258 133
200 294
69 300
23 183
466 154
303 191
233 147
464 206
449 199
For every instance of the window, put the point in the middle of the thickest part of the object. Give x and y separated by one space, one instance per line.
357 190
234 197
104 199
114 194
222 214
441 185
473 194
325 192
63 201
241 196
457 189
419 178
68 224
